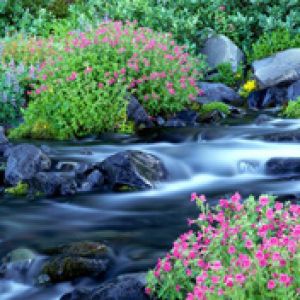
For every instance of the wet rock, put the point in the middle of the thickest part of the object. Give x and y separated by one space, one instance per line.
137 113
174 123
133 169
282 67
94 179
220 49
123 288
24 162
218 92
77 260
291 137
214 116
68 268
19 255
55 183
262 119
283 166
293 92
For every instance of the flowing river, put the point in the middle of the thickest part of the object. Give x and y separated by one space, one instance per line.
141 226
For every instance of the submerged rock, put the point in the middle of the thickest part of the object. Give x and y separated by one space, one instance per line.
55 183
283 166
24 162
133 169
77 260
220 49
283 67
131 287
218 92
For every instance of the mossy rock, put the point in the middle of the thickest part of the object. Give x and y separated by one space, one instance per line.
21 189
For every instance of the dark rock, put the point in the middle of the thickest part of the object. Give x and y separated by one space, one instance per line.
283 67
137 113
175 123
77 260
4 144
294 91
236 112
214 116
291 137
66 268
262 119
24 162
283 166
55 183
133 169
160 121
220 49
255 99
126 288
190 117
218 92
93 180
275 96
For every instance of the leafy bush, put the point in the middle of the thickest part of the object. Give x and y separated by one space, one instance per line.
219 106
292 110
82 89
227 76
12 98
190 20
244 250
272 42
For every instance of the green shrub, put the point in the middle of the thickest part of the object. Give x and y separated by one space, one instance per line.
82 89
190 20
292 110
227 76
210 107
272 42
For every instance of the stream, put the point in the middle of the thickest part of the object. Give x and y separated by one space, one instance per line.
141 226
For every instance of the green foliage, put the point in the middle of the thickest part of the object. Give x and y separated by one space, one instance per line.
190 20
272 42
219 106
227 76
82 88
292 110
21 189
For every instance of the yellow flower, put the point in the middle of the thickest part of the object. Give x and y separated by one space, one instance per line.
249 86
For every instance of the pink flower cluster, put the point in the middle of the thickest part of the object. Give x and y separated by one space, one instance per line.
235 244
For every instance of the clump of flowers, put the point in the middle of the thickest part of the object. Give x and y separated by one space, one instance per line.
240 250
248 87
82 89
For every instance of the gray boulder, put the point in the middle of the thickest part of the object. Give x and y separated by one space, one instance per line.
294 91
55 183
218 92
134 170
93 180
24 162
220 49
3 141
282 67
283 166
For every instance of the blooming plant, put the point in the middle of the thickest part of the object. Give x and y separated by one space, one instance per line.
241 250
82 89
247 88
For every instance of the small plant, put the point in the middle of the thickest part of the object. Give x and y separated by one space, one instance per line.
12 97
292 110
219 106
247 88
227 76
248 250
21 189
81 89
273 42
